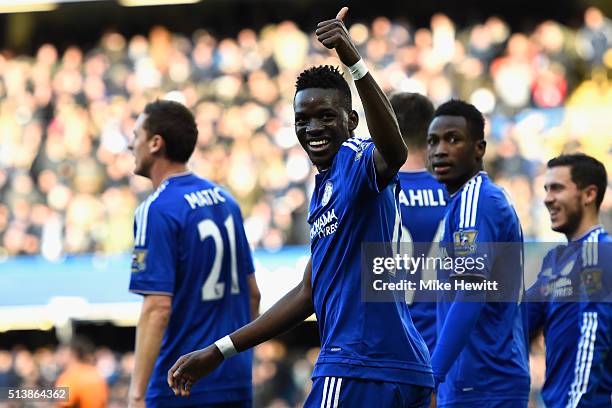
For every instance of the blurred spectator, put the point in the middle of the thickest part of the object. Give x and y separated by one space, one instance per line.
66 183
86 386
595 38
8 376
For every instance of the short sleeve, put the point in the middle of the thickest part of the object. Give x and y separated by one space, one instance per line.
155 253
359 167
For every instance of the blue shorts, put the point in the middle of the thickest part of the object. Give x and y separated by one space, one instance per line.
167 404
488 404
335 392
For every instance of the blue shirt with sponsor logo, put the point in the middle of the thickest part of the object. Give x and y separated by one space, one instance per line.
190 244
422 204
482 345
565 302
373 341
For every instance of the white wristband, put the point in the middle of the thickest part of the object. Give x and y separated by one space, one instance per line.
358 70
226 347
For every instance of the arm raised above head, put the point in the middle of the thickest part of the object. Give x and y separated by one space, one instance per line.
391 151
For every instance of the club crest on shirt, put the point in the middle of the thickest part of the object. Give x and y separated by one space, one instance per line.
465 242
139 257
359 152
327 192
591 280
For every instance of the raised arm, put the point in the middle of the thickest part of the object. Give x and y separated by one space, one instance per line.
288 312
391 152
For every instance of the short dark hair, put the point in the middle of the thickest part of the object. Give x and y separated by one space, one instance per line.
82 347
414 113
176 125
473 117
585 171
326 77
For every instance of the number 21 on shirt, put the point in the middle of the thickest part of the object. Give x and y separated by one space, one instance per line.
212 288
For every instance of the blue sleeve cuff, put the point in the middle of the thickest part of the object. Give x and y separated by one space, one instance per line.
149 287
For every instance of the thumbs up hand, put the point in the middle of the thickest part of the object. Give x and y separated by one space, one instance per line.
333 34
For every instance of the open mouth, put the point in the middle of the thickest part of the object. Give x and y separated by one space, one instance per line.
319 145
441 168
553 212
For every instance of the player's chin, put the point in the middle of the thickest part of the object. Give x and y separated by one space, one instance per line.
557 226
141 171
321 159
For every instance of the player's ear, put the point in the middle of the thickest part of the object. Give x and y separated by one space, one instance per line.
589 194
156 144
481 148
353 120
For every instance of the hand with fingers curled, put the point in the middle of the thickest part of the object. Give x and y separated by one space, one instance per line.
334 35
191 367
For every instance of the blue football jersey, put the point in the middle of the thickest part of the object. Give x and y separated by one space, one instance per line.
492 365
577 324
368 340
190 244
422 204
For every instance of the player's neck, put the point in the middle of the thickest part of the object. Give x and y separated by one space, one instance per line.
162 169
589 221
416 160
452 188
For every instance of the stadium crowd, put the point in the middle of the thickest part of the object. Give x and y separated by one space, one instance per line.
279 380
281 376
65 118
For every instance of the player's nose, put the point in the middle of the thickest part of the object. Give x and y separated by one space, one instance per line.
314 127
440 151
549 197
